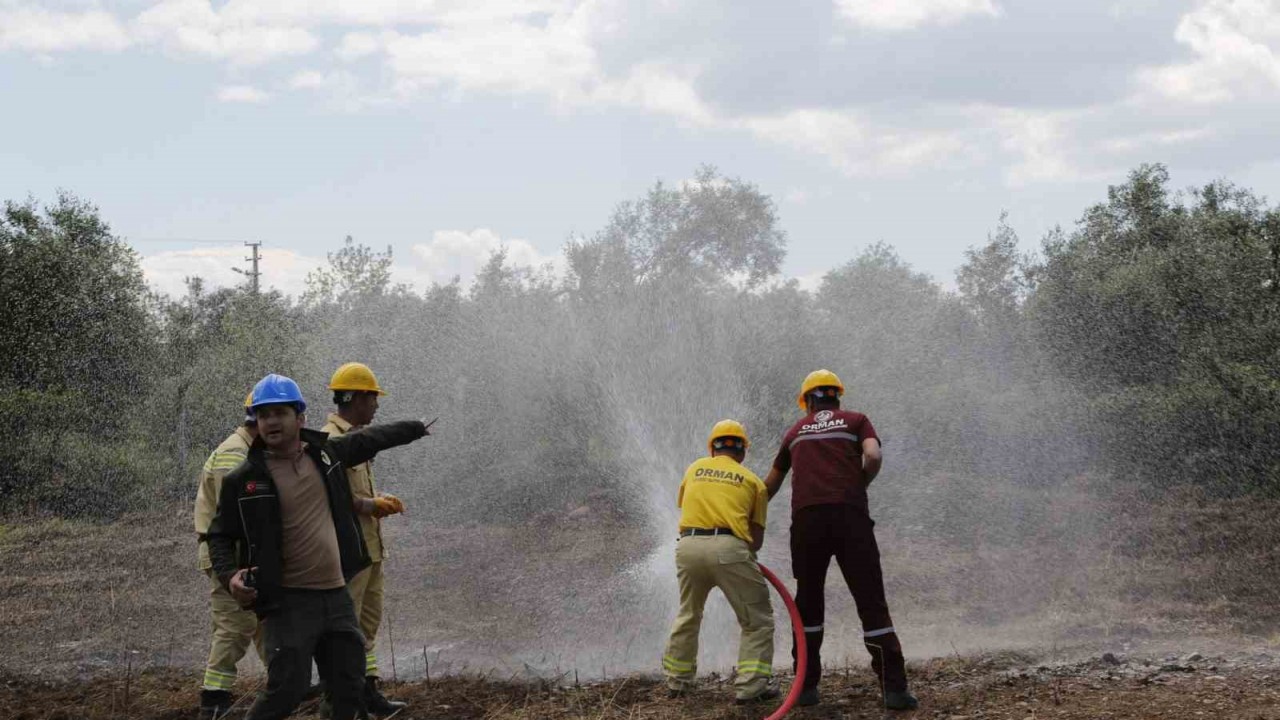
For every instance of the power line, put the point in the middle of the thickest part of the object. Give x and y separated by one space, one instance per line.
179 240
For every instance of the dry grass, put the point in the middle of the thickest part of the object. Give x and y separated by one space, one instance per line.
80 603
954 689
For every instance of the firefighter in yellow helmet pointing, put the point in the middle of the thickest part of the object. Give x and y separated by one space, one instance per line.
356 392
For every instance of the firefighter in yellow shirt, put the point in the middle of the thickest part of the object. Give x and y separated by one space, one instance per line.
722 517
356 392
234 628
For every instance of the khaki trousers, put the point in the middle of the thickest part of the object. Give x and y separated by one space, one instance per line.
366 594
723 561
234 628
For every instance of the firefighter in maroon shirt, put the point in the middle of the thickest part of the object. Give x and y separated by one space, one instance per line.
836 454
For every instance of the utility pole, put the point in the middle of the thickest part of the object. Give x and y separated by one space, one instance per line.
254 273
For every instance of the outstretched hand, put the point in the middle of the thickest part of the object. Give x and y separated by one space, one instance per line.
385 505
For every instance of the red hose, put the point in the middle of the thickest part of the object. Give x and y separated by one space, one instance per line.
797 627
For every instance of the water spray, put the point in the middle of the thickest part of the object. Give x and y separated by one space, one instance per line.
797 630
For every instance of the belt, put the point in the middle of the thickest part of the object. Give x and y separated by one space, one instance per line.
201 537
705 531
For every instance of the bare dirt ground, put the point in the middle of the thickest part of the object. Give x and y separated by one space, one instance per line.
1245 687
1146 611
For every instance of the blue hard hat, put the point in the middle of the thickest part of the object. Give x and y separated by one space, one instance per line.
275 390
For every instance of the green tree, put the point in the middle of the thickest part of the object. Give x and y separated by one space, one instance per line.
76 317
1161 307
355 272
993 279
699 233
214 346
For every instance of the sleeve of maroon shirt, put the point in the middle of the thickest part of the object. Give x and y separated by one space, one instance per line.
782 461
866 430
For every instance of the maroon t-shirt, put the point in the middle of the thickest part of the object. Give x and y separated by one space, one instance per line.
825 450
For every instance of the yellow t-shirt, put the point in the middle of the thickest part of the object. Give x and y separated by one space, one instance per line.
717 492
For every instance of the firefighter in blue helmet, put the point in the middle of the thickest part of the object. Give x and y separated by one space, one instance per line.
289 506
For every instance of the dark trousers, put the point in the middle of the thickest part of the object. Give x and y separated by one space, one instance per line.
319 624
818 533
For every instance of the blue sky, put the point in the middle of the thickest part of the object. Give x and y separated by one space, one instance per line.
447 128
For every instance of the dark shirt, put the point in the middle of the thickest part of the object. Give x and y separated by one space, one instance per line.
825 451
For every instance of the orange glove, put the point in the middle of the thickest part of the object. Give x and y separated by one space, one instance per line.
385 505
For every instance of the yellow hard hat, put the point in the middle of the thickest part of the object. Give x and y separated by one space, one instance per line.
817 379
355 376
728 428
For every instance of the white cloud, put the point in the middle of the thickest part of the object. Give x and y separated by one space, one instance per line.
1237 49
337 80
193 26
911 14
854 145
811 282
449 254
388 13
459 253
487 51
1039 143
283 270
355 45
511 57
38 30
660 89
577 55
242 94
308 80
1155 139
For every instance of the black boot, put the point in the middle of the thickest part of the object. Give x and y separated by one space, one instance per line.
900 700
214 704
376 703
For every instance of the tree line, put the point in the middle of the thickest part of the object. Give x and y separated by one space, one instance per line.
1141 344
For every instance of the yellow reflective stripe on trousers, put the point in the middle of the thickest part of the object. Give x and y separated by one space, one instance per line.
370 664
755 667
216 680
675 665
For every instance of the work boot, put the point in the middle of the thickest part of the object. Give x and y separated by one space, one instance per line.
809 697
900 700
769 692
214 704
376 703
